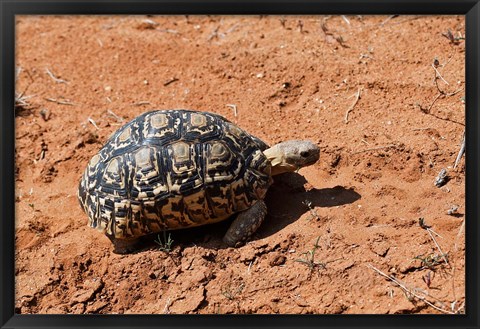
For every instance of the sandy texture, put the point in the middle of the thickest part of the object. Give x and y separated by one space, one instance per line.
362 88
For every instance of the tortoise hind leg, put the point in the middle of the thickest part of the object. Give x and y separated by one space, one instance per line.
124 246
246 223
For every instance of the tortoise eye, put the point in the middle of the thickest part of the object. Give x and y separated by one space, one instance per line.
304 154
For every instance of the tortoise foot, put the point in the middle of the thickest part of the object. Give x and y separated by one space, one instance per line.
246 223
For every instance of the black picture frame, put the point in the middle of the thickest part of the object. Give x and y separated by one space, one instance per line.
8 9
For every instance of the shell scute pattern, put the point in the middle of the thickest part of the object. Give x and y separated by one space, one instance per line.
113 178
221 164
172 169
160 127
147 182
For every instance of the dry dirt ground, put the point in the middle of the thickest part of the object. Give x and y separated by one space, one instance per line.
382 96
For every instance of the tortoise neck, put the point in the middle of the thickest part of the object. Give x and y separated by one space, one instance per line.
277 159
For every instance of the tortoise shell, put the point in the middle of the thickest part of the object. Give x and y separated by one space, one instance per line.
172 169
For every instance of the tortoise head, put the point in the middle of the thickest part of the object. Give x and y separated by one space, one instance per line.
290 156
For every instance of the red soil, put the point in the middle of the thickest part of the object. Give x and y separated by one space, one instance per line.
289 78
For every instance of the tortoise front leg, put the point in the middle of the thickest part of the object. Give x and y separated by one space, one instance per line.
246 223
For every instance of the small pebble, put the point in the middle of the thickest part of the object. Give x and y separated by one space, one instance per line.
453 210
45 114
442 178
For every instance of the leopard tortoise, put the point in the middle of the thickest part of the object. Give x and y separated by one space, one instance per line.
175 169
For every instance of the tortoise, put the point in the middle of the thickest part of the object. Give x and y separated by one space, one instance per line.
174 169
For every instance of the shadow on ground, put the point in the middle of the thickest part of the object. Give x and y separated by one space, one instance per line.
287 205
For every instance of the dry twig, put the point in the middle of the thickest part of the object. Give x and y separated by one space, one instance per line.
172 80
438 74
54 78
388 18
141 103
21 100
429 230
215 34
441 93
93 123
409 291
120 119
65 102
346 20
375 149
417 129
234 108
357 97
460 153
